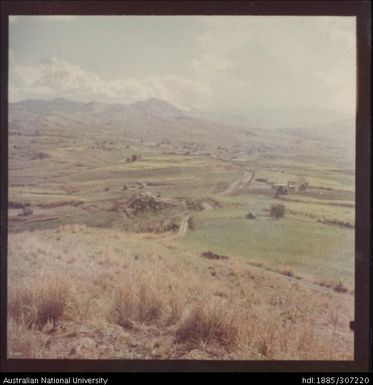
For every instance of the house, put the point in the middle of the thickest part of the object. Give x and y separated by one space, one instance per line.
292 186
264 180
280 188
251 215
303 186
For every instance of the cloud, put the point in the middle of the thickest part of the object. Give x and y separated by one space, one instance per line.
54 77
239 63
278 61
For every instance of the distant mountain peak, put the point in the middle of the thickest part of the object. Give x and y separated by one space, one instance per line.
154 101
157 107
58 104
61 99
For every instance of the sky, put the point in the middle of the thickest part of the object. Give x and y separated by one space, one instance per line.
214 63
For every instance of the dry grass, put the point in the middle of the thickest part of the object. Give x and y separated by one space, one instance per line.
25 342
141 296
136 303
210 323
37 303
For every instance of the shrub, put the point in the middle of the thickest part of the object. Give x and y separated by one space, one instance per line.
340 288
336 222
210 255
27 211
288 273
192 223
277 211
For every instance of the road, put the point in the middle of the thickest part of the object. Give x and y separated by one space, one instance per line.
184 226
240 184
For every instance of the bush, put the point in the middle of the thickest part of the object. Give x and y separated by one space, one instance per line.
340 288
192 223
27 211
210 255
277 211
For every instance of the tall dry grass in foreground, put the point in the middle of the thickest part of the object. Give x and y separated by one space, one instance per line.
210 323
39 302
140 296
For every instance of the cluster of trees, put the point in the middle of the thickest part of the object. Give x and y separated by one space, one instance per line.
277 211
132 158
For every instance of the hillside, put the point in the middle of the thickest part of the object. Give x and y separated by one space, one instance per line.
117 299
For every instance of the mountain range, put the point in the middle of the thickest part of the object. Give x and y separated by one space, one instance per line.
158 121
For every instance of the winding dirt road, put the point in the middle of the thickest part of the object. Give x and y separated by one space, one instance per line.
239 185
184 226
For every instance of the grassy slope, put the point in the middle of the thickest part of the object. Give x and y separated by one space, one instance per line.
141 296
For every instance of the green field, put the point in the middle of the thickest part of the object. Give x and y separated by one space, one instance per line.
300 244
80 183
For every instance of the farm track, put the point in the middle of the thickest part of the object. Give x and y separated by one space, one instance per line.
184 226
241 184
294 279
21 225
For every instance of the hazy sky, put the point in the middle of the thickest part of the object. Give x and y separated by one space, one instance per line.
208 62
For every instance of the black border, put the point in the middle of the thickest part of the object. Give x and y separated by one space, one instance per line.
363 262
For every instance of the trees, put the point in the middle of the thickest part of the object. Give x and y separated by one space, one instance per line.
277 211
132 158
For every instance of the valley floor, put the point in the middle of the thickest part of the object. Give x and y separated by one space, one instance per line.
124 249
